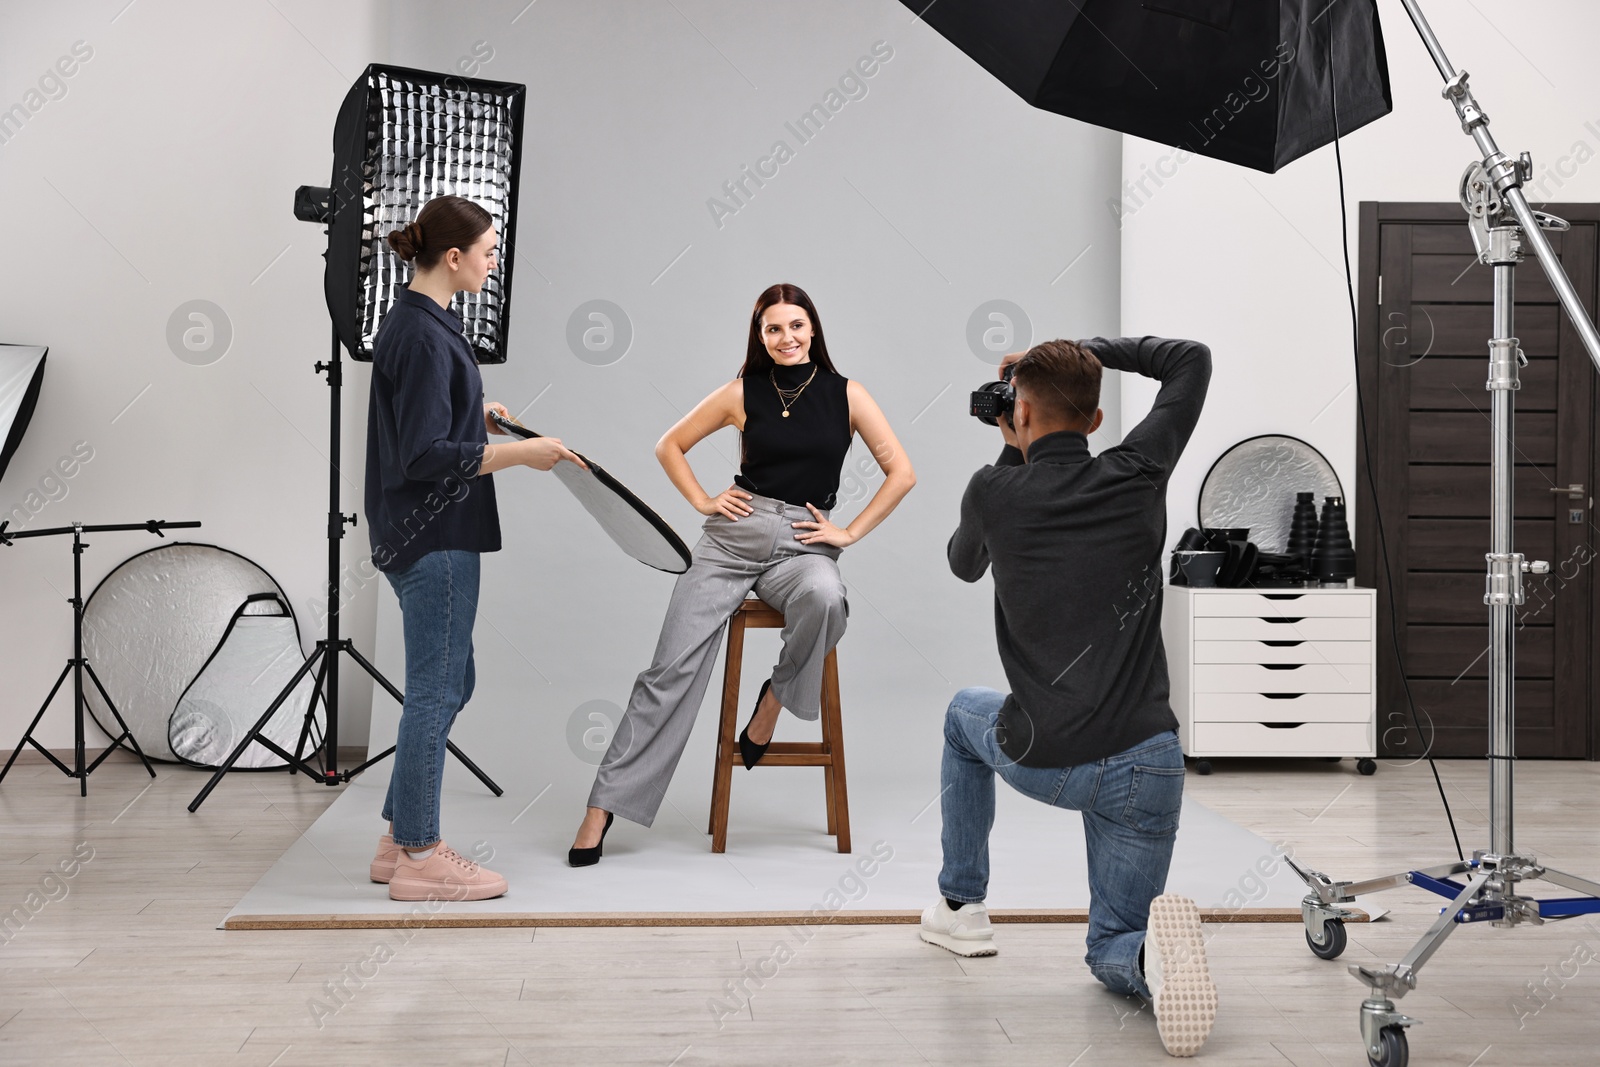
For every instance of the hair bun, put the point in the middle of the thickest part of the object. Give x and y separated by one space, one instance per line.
406 241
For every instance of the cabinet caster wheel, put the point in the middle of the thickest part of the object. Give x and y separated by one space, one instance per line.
1202 766
1335 940
1392 1048
1367 767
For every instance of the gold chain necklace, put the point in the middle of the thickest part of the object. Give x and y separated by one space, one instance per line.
788 396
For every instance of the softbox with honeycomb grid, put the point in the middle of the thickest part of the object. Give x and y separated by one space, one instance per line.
402 138
1243 81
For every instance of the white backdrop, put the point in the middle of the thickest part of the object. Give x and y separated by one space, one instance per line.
929 193
164 175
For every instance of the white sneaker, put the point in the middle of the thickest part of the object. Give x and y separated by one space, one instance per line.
966 931
1175 970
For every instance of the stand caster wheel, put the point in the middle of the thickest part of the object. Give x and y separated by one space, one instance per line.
1202 766
1336 940
1392 1043
1368 767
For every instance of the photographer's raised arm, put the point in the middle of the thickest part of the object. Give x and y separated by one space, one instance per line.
1184 369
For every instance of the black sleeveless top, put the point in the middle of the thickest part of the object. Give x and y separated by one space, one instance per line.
795 459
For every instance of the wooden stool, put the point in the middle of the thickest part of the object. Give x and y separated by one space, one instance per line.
827 754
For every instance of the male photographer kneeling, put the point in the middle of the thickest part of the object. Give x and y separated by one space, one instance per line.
1076 543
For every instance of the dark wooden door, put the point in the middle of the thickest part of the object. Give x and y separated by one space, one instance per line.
1426 319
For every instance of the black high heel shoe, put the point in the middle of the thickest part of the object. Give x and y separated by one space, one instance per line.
588 857
749 751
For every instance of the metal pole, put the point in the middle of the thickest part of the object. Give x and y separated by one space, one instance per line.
1503 592
1503 171
77 661
330 696
1502 225
1504 585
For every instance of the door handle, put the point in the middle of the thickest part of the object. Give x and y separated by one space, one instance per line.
1573 491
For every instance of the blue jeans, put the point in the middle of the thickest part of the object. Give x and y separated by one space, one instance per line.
1129 803
438 604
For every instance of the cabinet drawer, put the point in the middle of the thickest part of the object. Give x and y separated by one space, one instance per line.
1297 707
1259 739
1301 678
1286 628
1296 652
1309 604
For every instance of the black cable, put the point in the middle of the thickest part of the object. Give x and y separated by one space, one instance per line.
1366 450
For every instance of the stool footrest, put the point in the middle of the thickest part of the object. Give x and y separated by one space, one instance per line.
797 759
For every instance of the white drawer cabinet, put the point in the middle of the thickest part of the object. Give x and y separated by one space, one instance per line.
1273 672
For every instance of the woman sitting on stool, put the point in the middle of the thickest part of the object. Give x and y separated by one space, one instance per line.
796 416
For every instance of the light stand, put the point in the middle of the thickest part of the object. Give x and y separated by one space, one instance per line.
325 657
79 665
1502 224
402 137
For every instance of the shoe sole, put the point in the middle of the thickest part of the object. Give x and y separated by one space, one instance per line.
381 872
1186 1004
960 946
412 891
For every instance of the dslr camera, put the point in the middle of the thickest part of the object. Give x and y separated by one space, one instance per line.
995 398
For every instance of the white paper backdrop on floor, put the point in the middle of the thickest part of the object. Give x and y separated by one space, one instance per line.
779 857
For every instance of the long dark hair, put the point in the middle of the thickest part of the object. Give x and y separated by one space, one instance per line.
445 222
757 360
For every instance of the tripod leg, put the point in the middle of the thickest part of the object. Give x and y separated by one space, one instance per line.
399 697
311 714
127 733
27 736
377 676
379 758
449 745
1571 881
473 767
261 723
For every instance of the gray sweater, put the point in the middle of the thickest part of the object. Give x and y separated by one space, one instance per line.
1076 543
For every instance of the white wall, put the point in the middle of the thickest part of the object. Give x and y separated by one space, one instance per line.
1251 263
165 174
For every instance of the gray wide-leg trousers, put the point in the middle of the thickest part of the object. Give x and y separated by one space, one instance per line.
758 551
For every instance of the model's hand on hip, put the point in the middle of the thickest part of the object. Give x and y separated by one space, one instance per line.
821 531
730 503
490 410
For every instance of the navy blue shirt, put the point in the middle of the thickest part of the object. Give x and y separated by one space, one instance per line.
425 439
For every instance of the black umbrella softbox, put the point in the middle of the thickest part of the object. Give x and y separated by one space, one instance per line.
1245 81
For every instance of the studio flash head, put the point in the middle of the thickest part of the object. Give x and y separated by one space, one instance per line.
994 399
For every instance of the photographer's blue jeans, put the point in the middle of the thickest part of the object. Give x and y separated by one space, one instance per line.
1129 803
438 604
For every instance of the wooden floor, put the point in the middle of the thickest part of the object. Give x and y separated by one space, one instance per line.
120 963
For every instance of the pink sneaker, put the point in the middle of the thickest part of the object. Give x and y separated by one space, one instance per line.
382 868
444 875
